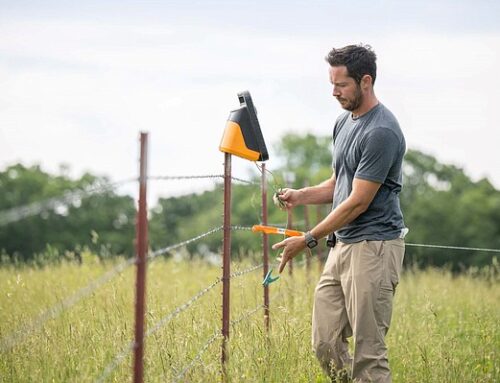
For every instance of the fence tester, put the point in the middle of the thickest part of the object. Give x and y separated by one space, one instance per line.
242 135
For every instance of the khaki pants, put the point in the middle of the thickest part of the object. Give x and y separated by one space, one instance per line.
354 298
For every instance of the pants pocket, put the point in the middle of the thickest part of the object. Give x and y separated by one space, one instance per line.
393 262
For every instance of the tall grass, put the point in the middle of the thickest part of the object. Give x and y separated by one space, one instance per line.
445 328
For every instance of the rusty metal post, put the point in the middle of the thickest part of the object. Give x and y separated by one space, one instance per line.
289 224
141 247
320 249
265 245
226 257
308 227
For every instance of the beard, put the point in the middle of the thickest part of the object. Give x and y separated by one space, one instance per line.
353 103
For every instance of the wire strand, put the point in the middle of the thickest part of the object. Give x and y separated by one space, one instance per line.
212 339
120 357
203 176
184 177
21 334
246 271
197 358
164 250
69 197
453 247
167 318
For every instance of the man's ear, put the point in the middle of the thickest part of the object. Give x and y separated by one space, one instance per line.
366 82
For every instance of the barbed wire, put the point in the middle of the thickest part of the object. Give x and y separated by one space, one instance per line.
20 335
243 228
217 335
69 197
167 318
185 177
205 176
246 271
212 339
246 315
245 181
116 362
164 250
453 247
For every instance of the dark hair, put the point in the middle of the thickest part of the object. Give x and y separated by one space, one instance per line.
358 59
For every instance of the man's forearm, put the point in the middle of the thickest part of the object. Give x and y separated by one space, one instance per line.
318 194
343 214
357 203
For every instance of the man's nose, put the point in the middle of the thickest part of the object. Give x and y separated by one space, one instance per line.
335 92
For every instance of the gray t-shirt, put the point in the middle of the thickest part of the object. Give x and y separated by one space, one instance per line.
371 148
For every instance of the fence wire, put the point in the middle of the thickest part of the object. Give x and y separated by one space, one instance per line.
167 318
20 335
246 271
241 228
453 247
212 339
243 181
217 335
205 176
116 362
119 358
164 250
70 197
185 177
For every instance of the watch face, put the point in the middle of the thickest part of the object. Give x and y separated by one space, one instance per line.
311 241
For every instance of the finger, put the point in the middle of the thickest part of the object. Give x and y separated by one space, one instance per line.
285 194
283 262
278 245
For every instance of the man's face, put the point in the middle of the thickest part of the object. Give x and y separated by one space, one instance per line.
345 89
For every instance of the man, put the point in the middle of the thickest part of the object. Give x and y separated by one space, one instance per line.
354 294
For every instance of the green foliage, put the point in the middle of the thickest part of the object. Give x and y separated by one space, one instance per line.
176 219
309 157
443 206
68 226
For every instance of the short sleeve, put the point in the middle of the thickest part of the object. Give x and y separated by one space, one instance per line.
379 150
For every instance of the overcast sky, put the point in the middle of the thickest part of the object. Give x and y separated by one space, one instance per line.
79 80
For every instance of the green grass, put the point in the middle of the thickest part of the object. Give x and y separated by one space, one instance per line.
444 329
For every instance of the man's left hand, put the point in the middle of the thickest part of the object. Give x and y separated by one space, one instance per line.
291 246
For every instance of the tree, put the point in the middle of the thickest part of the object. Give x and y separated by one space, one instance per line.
64 223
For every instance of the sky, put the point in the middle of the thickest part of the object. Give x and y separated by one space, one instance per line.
80 80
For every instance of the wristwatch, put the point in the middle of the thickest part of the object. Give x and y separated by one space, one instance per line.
310 240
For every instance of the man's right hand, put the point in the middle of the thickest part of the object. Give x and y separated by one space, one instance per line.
289 197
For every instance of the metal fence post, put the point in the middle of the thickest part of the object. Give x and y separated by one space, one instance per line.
265 245
289 224
141 247
321 248
307 227
226 257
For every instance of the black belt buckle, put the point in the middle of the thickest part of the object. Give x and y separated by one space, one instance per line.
331 240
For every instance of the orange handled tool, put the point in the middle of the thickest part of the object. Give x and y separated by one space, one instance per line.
276 230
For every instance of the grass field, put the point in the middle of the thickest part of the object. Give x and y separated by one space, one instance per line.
444 329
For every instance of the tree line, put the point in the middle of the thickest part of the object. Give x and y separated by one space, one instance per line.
441 205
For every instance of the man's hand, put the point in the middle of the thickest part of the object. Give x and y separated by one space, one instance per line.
291 247
289 197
